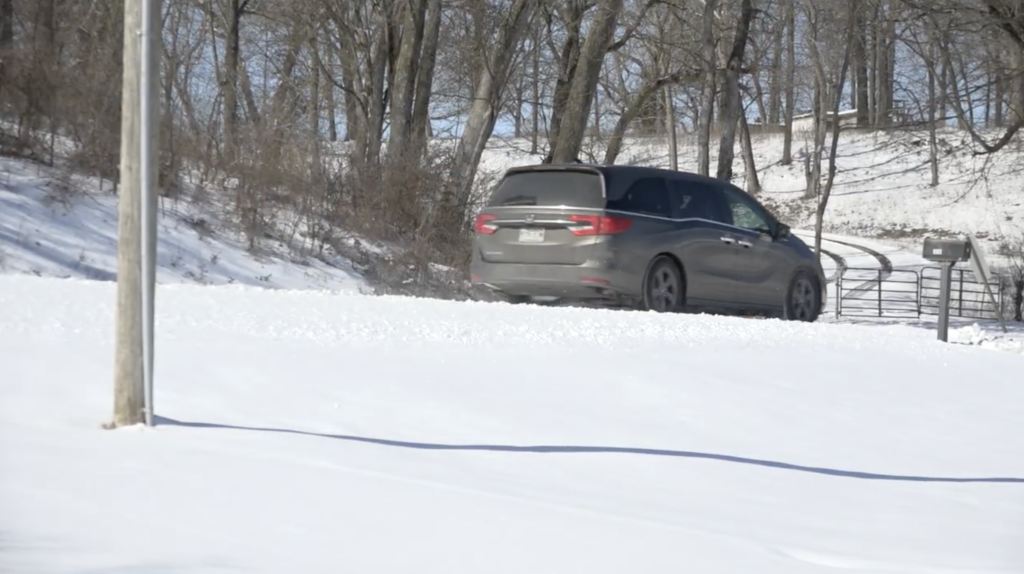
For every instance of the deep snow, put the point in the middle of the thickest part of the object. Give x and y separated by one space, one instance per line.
334 432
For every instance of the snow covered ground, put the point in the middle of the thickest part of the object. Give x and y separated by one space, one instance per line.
55 226
312 432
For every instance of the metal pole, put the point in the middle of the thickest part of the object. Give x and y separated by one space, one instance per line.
670 130
998 304
839 295
945 285
147 136
880 292
960 295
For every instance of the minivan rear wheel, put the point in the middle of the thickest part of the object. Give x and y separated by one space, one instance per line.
803 299
664 287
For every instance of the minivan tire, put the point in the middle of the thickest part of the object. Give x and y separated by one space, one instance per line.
803 298
664 287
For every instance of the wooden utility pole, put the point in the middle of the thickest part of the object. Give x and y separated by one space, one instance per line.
136 245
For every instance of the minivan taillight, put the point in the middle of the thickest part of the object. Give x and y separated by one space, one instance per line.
600 224
483 224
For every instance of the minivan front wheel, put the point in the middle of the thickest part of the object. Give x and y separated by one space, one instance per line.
664 287
803 300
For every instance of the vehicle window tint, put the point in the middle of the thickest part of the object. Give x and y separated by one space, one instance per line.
549 188
647 195
746 213
694 200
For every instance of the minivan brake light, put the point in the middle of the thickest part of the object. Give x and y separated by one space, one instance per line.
599 224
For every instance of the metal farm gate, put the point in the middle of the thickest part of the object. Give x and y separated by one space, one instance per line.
906 293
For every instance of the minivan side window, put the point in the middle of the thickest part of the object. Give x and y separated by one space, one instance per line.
746 213
646 195
695 200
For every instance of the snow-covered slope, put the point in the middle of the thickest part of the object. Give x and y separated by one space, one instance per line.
881 192
316 432
882 185
56 225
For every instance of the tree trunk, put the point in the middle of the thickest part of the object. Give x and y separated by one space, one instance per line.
837 96
584 82
787 141
230 86
567 65
1017 91
670 124
6 41
483 113
733 103
535 104
611 153
314 110
750 165
707 99
403 88
425 78
861 64
332 108
775 82
933 147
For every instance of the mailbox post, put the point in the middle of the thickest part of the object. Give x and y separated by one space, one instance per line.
947 252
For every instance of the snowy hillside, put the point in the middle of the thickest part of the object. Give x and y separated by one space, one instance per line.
56 225
881 188
881 192
322 433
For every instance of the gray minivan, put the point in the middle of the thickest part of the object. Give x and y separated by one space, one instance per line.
641 237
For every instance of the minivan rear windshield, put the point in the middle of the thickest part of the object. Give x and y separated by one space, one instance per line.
548 188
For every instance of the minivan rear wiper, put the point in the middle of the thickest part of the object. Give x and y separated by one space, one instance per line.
520 200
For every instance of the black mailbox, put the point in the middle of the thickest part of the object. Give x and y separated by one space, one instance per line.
946 250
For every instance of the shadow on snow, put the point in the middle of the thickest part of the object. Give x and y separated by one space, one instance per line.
557 449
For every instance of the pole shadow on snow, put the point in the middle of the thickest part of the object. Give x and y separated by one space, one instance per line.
557 449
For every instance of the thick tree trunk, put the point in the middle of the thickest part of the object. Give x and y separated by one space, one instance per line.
749 163
403 88
6 41
584 82
483 113
733 103
425 78
567 64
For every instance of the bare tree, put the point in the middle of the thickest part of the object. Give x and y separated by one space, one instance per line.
483 112
707 105
733 104
584 82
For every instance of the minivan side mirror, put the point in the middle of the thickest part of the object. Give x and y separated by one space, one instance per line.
781 231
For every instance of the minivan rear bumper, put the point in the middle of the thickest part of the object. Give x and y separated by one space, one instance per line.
593 280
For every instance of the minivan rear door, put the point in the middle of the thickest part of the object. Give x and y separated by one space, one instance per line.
540 216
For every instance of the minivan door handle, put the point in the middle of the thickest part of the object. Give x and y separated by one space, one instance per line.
729 240
745 243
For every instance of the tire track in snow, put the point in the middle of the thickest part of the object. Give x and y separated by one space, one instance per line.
884 264
840 265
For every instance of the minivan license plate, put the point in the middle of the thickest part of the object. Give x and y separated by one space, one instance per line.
527 235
